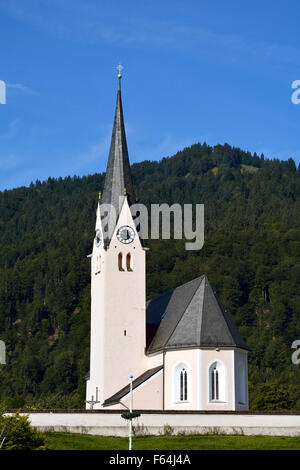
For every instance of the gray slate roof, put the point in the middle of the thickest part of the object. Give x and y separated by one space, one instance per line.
138 381
190 316
118 175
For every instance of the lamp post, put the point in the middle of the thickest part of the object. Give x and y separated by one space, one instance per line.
2 442
130 421
130 415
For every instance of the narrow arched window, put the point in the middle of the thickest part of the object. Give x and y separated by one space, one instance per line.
183 385
214 384
120 262
128 262
217 377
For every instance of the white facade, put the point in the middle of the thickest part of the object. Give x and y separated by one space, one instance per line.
199 365
117 313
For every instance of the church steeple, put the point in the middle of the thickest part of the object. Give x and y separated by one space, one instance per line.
118 182
118 296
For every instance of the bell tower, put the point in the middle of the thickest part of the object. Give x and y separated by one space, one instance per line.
118 299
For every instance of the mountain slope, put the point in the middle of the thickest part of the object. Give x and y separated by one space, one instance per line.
251 256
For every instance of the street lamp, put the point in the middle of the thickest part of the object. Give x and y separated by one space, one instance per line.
131 414
130 423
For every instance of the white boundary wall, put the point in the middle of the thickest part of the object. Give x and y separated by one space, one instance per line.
110 423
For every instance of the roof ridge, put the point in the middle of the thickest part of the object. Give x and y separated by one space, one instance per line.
203 303
218 304
224 311
178 287
229 322
227 319
202 306
189 303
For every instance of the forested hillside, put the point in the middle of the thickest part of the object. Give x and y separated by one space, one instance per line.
251 255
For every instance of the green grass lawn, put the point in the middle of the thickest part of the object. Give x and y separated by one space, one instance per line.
69 441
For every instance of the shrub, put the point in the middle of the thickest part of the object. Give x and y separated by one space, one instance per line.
17 433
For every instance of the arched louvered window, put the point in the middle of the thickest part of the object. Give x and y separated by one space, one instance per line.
120 262
128 262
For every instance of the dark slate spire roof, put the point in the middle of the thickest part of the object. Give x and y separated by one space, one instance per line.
190 316
118 175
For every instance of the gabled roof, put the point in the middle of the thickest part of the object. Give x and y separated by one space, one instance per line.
190 316
138 381
118 175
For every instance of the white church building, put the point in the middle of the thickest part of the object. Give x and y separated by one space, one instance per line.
182 348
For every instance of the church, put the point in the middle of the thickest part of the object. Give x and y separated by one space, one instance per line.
182 348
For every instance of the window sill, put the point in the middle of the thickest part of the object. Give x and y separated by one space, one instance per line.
216 402
182 402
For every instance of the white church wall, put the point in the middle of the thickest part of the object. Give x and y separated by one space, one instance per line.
97 333
149 395
155 360
199 364
112 424
241 382
224 361
174 360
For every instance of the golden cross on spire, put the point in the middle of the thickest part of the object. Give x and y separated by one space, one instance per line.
120 68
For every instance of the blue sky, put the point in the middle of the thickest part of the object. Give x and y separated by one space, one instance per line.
194 71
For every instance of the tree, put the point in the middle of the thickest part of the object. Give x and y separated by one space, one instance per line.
272 397
250 255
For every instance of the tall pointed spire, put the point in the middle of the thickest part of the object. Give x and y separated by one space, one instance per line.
118 180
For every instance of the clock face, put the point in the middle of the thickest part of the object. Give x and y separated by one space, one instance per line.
125 234
98 238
